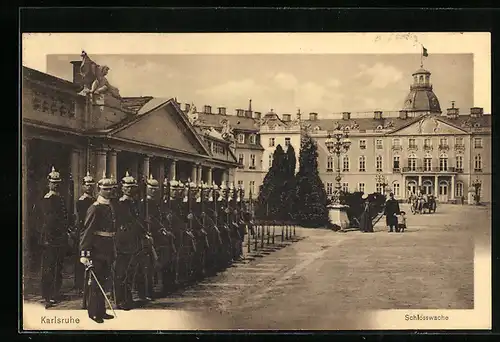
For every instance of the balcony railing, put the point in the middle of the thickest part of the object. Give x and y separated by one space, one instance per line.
430 169
396 169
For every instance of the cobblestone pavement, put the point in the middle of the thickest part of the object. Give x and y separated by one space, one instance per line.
325 279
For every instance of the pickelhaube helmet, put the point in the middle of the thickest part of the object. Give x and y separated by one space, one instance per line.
191 184
214 186
128 180
88 179
152 183
107 183
223 186
54 176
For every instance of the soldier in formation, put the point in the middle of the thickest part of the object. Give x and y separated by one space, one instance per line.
54 239
98 249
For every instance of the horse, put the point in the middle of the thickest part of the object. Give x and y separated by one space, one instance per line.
430 205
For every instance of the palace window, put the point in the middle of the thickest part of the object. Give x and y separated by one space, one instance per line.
460 163
459 189
395 189
240 184
362 144
378 163
427 162
329 164
478 143
379 144
345 164
241 159
412 162
443 162
396 142
395 162
412 143
252 187
241 138
378 188
478 163
252 161
270 160
427 143
253 139
362 164
329 188
345 187
443 142
287 141
361 187
459 141
271 142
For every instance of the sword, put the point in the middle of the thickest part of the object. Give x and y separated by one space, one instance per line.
85 288
102 290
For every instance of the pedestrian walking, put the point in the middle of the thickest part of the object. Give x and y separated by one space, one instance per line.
365 221
82 205
401 222
391 211
98 249
54 239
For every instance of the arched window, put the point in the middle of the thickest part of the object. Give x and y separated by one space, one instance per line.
362 164
427 162
345 164
395 162
478 163
378 163
459 189
460 163
379 127
395 189
421 79
427 78
443 162
329 163
412 162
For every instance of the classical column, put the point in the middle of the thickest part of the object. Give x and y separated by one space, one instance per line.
113 167
405 188
75 173
209 175
161 173
145 167
173 169
199 177
419 182
100 166
452 187
435 185
194 172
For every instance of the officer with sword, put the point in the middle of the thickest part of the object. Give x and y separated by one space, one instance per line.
97 248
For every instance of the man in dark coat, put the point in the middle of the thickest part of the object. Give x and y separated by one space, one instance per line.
97 247
82 205
54 239
391 211
128 243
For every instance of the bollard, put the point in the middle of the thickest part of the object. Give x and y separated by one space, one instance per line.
273 235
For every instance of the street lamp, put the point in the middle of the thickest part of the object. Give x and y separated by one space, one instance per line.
337 144
382 181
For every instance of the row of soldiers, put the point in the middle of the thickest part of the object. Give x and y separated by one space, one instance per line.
190 231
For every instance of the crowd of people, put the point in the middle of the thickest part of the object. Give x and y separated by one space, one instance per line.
136 243
395 217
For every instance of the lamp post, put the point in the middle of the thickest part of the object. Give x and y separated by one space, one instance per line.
476 184
382 181
337 144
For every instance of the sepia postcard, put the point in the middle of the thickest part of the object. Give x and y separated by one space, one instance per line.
304 181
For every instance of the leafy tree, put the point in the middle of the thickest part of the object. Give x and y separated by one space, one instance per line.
288 198
269 204
311 198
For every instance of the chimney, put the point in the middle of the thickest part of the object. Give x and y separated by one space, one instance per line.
240 112
287 117
313 116
298 115
377 115
207 109
222 110
346 115
452 112
403 114
476 112
77 76
187 107
256 115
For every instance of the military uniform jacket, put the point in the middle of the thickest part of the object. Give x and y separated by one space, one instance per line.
82 205
54 230
97 239
131 230
154 215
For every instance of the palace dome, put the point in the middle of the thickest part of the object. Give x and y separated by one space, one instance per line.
421 98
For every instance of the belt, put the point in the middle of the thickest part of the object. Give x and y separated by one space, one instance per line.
105 234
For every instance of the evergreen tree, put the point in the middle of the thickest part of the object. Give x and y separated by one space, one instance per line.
290 185
269 200
311 199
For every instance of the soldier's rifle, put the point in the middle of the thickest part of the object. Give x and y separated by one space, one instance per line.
227 210
190 216
147 221
215 215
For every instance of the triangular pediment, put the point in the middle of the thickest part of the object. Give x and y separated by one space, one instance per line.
428 125
163 127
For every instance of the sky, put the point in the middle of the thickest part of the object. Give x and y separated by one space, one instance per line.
322 83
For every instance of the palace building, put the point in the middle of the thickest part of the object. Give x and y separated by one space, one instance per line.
419 148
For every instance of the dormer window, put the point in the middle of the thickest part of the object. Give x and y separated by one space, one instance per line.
379 127
253 139
316 128
476 125
362 144
241 138
346 128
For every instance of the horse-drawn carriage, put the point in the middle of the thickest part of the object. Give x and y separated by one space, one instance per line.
422 204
